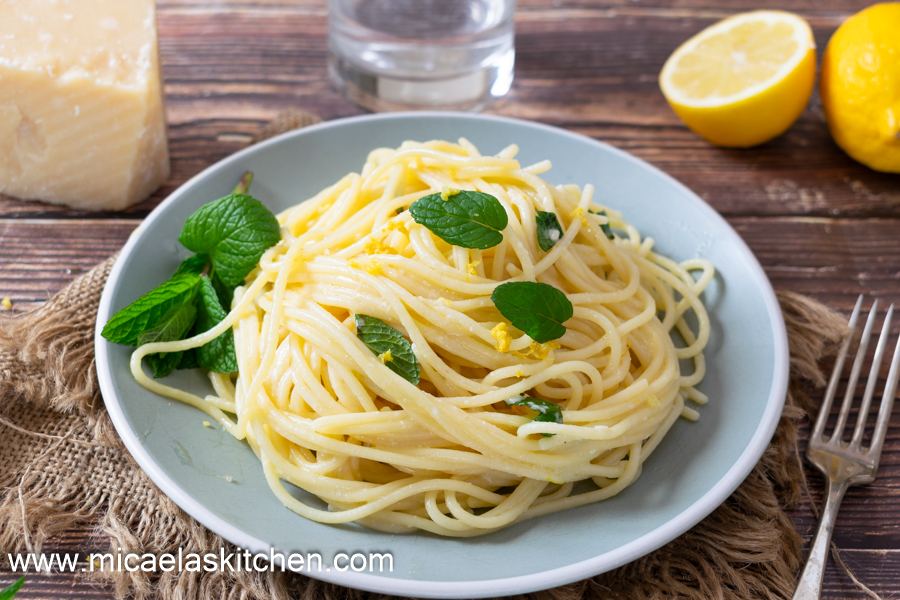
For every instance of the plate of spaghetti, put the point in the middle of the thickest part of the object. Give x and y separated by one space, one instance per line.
504 355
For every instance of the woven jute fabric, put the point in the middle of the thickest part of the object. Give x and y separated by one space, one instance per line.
62 465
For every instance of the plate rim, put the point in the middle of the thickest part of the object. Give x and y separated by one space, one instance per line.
633 550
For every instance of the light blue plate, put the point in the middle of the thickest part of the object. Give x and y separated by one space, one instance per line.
694 469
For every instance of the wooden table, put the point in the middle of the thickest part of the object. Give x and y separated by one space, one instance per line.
819 223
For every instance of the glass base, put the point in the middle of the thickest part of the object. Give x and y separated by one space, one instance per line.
378 93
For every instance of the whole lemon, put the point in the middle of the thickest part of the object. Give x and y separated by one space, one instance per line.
860 86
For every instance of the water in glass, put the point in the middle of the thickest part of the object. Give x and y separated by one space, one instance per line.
399 54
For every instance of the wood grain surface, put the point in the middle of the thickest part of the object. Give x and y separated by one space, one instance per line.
819 223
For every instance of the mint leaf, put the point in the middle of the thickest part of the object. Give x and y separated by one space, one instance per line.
174 325
547 412
381 338
234 231
604 227
217 355
224 292
188 359
147 311
195 264
163 363
537 309
8 592
549 230
466 219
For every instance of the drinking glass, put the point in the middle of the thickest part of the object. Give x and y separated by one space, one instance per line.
412 54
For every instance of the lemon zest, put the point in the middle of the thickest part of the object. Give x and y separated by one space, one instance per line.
395 225
501 334
373 267
378 247
6 303
542 351
653 401
537 351
578 213
385 358
446 192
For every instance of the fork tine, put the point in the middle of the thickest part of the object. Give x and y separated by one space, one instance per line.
887 404
825 410
873 379
854 374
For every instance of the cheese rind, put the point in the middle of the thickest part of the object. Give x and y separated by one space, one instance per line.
82 117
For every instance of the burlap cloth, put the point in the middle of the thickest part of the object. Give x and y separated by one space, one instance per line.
62 465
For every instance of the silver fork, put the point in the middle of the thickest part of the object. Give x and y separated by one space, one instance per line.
844 464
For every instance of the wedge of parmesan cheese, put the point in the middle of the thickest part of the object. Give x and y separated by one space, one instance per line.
82 119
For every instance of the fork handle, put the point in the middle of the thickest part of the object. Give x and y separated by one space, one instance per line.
810 585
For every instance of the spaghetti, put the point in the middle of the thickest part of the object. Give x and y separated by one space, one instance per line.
322 411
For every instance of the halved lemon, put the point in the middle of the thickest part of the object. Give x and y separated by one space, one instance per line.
743 80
